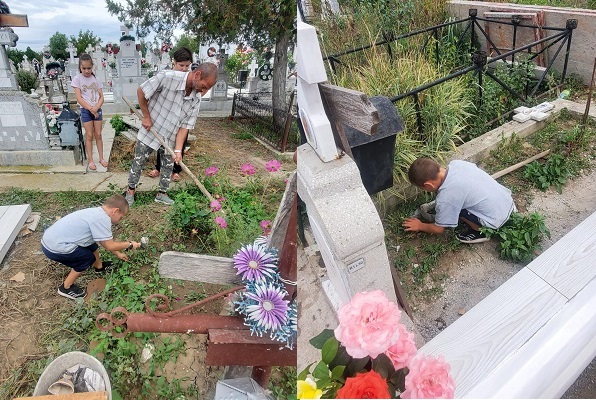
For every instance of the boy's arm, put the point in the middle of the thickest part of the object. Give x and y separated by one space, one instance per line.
415 225
116 247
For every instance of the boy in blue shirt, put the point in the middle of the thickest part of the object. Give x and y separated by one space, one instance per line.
464 193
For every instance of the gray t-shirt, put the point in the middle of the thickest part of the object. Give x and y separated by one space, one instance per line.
468 187
81 228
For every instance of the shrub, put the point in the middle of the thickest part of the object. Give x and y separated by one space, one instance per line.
520 237
552 173
26 80
118 124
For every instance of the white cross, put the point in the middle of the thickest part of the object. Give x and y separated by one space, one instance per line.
252 67
89 49
71 50
311 72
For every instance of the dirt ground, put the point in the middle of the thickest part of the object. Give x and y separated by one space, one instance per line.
30 308
477 270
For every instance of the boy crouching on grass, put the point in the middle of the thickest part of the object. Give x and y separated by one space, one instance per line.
464 193
72 241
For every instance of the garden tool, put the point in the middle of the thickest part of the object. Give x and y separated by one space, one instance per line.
165 146
144 242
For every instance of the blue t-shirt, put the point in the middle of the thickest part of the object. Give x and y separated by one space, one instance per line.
80 228
468 187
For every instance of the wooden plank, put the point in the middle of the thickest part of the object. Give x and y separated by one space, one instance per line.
198 268
229 347
14 20
74 396
350 107
568 265
495 328
548 364
11 221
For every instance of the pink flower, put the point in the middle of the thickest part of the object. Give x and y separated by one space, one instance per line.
273 166
211 171
266 226
247 169
221 222
428 379
403 350
368 324
215 205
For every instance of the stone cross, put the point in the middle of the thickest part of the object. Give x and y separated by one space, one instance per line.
9 38
71 49
252 67
342 216
89 49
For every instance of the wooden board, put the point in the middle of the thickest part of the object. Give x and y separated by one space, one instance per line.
198 268
74 396
14 20
568 265
497 327
12 219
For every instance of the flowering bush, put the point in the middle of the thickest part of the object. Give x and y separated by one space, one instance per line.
370 355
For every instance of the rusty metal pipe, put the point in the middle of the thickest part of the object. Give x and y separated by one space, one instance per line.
138 322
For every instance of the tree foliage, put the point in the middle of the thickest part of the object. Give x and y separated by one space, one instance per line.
58 45
31 54
15 55
187 41
83 40
258 23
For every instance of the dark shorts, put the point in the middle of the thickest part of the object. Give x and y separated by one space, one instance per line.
86 115
79 260
470 217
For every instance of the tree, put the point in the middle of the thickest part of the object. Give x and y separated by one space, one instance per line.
31 54
58 44
83 40
259 23
15 55
187 41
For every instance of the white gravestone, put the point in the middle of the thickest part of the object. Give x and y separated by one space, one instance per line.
128 71
8 80
343 218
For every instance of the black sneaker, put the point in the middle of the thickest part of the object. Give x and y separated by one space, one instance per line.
472 236
73 292
106 266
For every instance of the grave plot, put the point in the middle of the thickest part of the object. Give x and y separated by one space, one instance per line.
38 324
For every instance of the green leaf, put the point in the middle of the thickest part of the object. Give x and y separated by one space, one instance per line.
329 350
319 340
338 372
321 371
383 365
304 374
356 365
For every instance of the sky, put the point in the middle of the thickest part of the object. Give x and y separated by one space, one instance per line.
46 17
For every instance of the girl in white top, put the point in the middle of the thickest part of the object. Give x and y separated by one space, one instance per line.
88 90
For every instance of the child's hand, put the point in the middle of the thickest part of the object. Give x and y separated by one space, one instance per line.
412 224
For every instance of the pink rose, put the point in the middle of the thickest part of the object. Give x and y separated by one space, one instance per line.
273 166
247 169
368 324
265 226
403 350
428 379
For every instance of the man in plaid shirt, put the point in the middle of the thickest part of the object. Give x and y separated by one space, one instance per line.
170 104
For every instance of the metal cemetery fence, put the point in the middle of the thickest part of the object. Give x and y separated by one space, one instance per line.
259 116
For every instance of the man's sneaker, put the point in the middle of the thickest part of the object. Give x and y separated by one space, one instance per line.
73 292
130 197
163 199
472 236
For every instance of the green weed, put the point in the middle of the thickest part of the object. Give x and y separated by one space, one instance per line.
552 173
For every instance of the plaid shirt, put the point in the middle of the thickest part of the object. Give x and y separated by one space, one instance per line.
169 107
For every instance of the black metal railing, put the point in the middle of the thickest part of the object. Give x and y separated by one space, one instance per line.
274 126
480 60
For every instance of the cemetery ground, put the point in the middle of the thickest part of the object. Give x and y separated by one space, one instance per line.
38 325
444 278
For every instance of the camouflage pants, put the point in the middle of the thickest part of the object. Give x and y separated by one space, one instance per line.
142 152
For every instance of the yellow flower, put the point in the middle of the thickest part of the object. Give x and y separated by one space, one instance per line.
308 390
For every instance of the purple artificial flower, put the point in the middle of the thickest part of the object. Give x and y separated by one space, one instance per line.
221 222
265 226
211 171
273 165
254 263
271 310
215 205
247 169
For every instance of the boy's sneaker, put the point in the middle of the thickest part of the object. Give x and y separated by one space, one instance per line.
73 292
106 266
472 236
130 197
163 199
